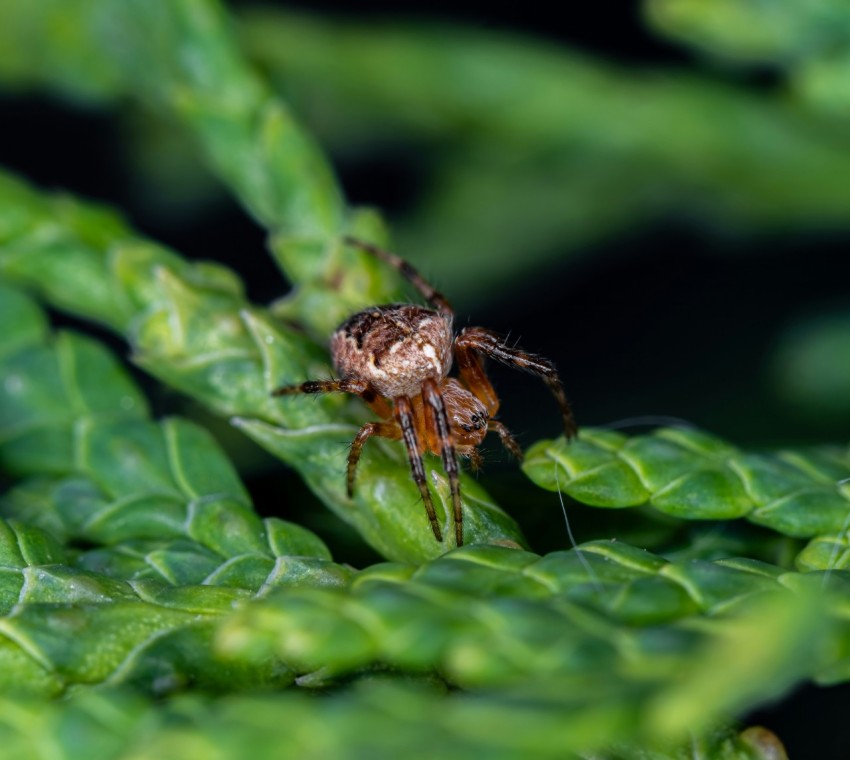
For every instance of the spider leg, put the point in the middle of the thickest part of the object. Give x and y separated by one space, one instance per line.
405 418
389 430
508 441
357 387
475 460
434 400
477 339
434 297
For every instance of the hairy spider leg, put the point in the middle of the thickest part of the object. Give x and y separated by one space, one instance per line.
390 430
508 441
430 294
360 388
357 387
475 379
474 340
405 418
440 419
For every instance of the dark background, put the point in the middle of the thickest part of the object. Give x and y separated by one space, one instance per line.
720 304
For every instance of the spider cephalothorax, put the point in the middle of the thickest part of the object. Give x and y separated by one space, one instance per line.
397 359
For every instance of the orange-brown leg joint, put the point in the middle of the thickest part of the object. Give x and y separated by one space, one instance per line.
477 340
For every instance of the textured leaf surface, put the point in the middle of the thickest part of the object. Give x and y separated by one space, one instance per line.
569 614
483 618
586 632
690 474
190 327
102 472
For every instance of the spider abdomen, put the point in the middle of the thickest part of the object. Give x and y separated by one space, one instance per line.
394 348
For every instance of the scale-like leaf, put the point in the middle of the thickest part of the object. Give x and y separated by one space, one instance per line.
68 410
189 327
692 475
491 619
497 620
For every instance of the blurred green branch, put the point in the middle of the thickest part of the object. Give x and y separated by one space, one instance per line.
570 150
376 719
180 60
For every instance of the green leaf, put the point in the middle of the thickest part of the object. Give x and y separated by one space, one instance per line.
741 662
130 553
29 321
374 719
191 328
182 57
69 410
779 32
386 508
61 66
811 367
587 628
692 475
496 596
181 60
81 257
62 625
808 42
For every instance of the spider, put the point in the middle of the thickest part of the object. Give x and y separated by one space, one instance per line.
397 358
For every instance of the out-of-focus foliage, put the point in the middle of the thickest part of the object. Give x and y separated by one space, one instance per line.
812 368
808 42
378 719
783 33
133 565
569 149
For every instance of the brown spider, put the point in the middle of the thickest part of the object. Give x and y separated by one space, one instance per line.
397 359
